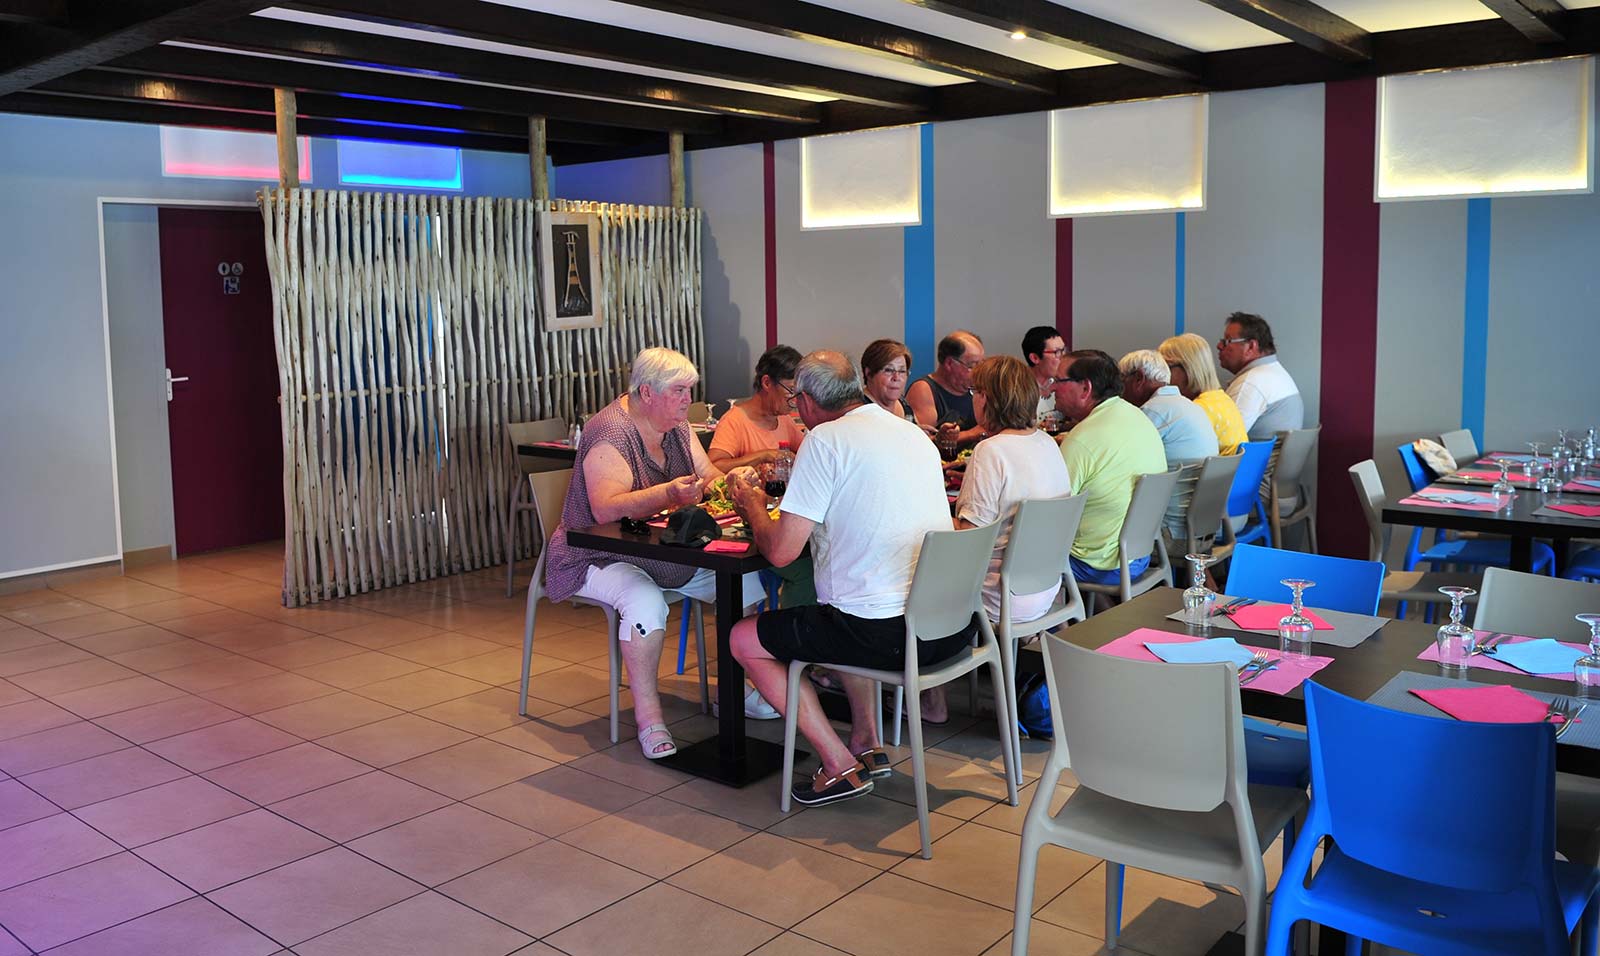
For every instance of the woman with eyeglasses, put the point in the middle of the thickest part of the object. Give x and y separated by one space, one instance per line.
885 370
755 429
1195 374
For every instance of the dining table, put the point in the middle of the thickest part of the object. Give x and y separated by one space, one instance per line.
563 450
1529 518
731 757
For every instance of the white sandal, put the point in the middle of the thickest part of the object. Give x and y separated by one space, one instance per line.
652 737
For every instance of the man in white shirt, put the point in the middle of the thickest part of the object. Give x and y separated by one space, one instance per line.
1268 399
866 487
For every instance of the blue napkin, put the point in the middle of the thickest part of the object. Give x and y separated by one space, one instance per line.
1214 651
1544 656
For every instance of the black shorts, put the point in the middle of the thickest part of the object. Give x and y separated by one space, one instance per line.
825 635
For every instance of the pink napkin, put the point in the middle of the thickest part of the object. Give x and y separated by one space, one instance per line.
1516 477
1484 661
1282 679
1265 617
726 519
728 547
551 444
1500 704
1485 504
1586 511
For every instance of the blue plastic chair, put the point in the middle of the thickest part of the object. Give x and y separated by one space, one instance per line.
771 603
1418 474
1471 552
1244 495
1585 566
1343 584
1442 837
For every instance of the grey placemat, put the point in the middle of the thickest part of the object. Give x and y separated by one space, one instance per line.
1348 629
1396 695
1546 511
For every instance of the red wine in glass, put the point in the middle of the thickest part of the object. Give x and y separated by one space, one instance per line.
775 488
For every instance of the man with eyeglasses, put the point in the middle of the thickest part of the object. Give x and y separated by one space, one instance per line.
1268 399
942 400
1042 349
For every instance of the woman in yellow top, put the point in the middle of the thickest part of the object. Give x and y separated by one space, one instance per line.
1194 372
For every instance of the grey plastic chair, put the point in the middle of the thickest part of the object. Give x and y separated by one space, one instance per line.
1420 586
698 413
1174 802
549 492
1532 604
1141 535
1461 445
1208 508
1290 499
946 594
526 433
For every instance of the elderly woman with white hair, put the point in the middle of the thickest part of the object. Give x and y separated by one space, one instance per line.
1186 433
637 457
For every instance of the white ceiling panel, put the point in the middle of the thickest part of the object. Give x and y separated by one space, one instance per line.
1379 15
1191 23
923 20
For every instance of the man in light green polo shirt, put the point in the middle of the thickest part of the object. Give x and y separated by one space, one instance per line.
1113 444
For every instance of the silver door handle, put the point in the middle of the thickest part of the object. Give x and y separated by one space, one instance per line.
170 379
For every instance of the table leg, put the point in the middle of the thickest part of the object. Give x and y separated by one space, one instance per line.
1521 553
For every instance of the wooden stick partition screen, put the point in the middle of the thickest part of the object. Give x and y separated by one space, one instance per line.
410 330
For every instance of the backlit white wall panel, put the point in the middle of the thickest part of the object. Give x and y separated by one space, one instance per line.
1147 156
870 178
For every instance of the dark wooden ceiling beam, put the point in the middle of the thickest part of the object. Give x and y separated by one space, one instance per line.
1538 20
1058 25
824 25
543 31
34 11
350 48
101 31
1313 27
185 63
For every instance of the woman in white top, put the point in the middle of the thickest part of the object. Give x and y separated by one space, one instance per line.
1015 463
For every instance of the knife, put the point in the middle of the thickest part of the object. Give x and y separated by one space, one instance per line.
1236 602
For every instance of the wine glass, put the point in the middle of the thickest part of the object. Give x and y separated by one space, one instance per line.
1531 467
1198 600
1587 670
1504 491
1456 641
1294 631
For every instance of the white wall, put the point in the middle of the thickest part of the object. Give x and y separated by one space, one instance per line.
726 184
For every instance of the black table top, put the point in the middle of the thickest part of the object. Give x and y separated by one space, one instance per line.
611 538
1356 671
1520 520
566 452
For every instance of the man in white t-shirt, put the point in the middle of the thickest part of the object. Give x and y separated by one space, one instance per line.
866 487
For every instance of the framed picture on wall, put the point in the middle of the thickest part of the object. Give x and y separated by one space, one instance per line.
570 257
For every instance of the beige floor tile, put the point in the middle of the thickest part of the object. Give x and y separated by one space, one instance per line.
258 636
222 744
395 739
869 830
168 655
12 694
470 768
573 884
657 836
421 689
211 622
286 773
166 719
358 806
387 632
680 699
1159 914
231 850
332 714
956 787
195 927
359 669
558 800
561 736
101 778
70 677
328 618
39 657
309 652
440 649
671 920
214 674
572 685
32 716
55 747
54 606
1047 939
903 916
448 843
486 713
627 765
754 806
155 813
421 926
86 625
86 899
49 845
773 879
501 666
981 862
576 646
116 593
18 804
1010 819
15 637
308 897
117 696
269 693
159 611
793 944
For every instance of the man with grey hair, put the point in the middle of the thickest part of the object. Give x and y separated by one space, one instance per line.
1186 433
866 487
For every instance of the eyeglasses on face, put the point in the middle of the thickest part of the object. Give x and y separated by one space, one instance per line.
891 371
1059 351
789 390
1224 342
969 366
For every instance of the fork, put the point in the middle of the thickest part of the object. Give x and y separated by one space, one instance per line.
1490 644
1252 670
1558 707
1566 725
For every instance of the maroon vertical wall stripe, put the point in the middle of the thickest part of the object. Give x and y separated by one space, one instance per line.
769 187
1349 310
1064 280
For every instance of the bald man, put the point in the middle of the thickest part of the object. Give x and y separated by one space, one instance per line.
941 400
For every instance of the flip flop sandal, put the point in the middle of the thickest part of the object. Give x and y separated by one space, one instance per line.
652 737
824 789
875 762
824 683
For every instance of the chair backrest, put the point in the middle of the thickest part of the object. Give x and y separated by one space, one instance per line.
1160 735
1141 527
1208 507
1042 533
1460 444
1516 603
526 433
1457 803
1417 473
1254 456
1294 453
1369 491
699 412
947 588
1343 584
549 495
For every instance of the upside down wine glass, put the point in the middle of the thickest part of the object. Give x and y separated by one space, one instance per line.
1456 641
1587 670
1503 491
1530 468
1294 631
1198 600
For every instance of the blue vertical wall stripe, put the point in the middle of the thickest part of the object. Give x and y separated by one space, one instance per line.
1181 261
1475 327
919 265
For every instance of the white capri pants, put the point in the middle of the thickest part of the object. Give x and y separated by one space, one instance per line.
641 608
